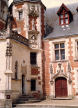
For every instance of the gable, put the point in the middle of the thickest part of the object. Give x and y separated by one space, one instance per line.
63 7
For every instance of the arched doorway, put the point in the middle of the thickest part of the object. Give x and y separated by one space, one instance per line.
61 87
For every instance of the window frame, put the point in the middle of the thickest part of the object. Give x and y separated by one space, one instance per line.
33 61
64 18
59 49
33 88
20 16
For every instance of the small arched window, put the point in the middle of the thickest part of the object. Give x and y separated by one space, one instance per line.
16 70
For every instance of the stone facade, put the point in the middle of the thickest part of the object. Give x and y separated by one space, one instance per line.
21 38
30 24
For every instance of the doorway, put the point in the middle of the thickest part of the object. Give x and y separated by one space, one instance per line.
61 87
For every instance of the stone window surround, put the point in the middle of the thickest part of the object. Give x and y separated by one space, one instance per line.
20 14
17 11
53 50
60 49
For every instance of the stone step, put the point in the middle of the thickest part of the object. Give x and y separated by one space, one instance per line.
25 102
25 99
42 106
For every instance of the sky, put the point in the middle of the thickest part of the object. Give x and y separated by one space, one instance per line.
55 3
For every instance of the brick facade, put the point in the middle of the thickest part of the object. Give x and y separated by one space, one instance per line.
70 58
46 75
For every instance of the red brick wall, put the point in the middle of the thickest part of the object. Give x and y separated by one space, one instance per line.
46 62
43 52
74 64
46 75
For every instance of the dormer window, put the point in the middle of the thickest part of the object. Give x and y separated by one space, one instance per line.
65 15
64 18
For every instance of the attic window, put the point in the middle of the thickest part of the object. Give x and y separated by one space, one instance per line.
65 15
64 18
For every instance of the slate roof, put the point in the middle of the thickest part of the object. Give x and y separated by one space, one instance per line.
26 0
32 1
62 31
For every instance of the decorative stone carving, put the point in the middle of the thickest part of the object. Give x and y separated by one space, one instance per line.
33 38
9 49
33 11
24 69
51 72
60 73
69 73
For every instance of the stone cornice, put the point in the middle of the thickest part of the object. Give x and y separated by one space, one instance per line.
19 38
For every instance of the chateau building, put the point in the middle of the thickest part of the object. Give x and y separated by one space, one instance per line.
38 51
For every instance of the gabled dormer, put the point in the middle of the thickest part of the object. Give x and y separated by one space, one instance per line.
65 15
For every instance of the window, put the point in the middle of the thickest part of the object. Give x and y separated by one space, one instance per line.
59 51
33 24
33 85
20 14
16 70
33 58
64 18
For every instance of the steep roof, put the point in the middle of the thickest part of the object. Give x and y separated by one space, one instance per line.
62 31
60 9
26 0
31 1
